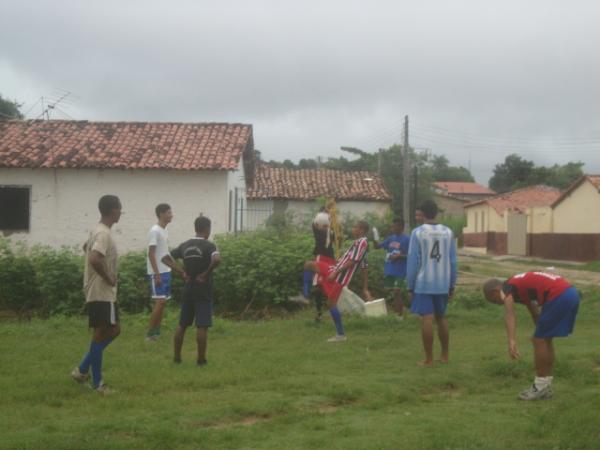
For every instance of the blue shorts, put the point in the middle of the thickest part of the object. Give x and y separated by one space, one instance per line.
163 290
426 304
557 318
199 311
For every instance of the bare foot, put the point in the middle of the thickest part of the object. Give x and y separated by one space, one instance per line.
425 363
443 360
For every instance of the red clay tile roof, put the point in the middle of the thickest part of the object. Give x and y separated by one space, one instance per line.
521 199
594 179
123 145
464 188
309 184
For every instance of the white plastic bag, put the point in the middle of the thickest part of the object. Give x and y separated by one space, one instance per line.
350 303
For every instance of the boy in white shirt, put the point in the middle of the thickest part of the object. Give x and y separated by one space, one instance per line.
159 274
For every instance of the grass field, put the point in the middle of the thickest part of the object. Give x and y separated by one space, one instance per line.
278 384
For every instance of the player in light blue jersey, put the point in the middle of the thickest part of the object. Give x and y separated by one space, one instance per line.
431 275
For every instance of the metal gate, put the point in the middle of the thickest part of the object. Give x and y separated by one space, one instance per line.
243 218
517 234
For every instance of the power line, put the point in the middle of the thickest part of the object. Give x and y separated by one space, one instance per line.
512 139
503 148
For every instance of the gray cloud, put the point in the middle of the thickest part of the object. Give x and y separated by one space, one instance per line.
477 78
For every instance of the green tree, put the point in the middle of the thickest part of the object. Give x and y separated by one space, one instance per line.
517 172
9 109
513 172
441 171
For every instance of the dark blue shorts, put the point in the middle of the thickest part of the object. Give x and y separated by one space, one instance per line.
426 304
557 318
163 290
198 311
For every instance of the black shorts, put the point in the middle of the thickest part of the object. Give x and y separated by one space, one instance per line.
199 311
102 314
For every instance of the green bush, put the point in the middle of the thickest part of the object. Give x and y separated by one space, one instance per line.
18 288
261 267
59 280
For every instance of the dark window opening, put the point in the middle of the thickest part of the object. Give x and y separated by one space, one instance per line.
14 208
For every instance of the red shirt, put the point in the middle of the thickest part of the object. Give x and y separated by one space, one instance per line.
535 286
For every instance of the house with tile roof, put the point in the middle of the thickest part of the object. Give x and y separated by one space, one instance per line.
52 174
503 224
452 196
470 191
282 190
575 233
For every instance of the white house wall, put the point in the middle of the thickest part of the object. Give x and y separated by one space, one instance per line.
64 203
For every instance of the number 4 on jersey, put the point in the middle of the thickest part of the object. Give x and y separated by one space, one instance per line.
435 251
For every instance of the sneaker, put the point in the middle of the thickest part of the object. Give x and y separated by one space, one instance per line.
104 389
201 362
534 393
152 338
300 299
337 338
78 376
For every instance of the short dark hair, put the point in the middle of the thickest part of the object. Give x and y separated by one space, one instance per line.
202 223
161 208
491 285
429 209
107 203
398 221
363 225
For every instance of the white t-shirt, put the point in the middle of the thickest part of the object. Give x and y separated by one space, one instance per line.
159 237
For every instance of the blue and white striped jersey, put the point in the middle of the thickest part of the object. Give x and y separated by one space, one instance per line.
431 260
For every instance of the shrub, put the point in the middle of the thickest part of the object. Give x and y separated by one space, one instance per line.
18 289
261 267
59 279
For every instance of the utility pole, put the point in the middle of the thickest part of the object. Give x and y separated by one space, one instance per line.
406 176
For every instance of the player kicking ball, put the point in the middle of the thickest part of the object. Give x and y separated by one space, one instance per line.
335 275
559 302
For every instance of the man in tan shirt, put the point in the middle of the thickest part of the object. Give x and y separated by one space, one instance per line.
100 287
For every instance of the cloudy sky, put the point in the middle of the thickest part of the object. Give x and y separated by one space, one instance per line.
479 79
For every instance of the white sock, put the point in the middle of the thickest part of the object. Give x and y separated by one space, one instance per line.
542 382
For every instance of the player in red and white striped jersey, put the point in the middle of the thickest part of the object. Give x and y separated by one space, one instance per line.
334 275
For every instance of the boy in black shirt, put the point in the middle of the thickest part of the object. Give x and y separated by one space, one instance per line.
200 258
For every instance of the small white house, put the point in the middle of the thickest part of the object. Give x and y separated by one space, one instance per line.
282 190
52 174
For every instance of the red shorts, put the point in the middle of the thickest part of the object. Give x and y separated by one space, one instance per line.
332 289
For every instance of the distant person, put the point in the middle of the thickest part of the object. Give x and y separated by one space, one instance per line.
335 275
200 258
394 271
324 238
159 274
431 276
419 217
559 301
100 287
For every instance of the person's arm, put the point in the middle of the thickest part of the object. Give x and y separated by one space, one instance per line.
332 276
154 264
97 262
453 266
413 264
534 311
510 321
215 260
167 260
